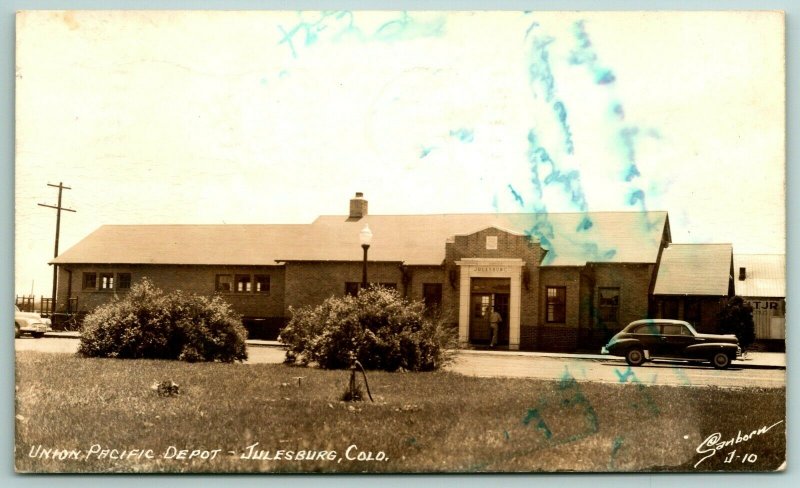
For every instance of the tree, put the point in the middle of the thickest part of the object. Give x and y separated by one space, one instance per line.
736 317
377 327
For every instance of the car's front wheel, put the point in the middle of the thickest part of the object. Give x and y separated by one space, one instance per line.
721 360
17 332
635 357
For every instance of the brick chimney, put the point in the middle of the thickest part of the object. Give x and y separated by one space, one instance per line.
358 206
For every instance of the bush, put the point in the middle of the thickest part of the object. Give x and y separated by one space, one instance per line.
736 317
378 328
147 323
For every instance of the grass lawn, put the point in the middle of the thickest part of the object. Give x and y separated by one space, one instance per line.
93 409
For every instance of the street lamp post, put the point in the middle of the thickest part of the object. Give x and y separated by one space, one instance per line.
365 236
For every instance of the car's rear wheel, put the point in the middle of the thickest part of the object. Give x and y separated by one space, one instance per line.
38 335
721 360
17 332
635 357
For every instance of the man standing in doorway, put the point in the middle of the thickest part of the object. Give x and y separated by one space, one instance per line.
494 323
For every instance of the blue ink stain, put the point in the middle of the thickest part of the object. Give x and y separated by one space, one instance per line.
287 38
283 74
407 27
533 414
561 112
623 377
516 195
617 110
627 137
530 28
604 77
541 72
585 55
616 444
586 224
463 135
425 151
636 196
632 173
505 433
341 23
263 81
680 373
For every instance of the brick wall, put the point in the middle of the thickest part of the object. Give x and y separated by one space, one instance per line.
549 338
310 283
191 279
508 246
633 281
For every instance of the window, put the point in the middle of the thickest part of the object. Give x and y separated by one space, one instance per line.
608 304
432 295
123 281
556 304
106 281
223 283
261 283
675 329
243 283
89 281
648 329
481 308
351 288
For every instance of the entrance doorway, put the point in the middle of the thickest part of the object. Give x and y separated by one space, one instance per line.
488 293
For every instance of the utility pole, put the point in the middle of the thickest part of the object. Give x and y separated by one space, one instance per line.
58 208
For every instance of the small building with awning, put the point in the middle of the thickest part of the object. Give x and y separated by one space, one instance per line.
761 281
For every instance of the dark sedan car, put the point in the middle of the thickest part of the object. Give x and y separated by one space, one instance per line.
643 340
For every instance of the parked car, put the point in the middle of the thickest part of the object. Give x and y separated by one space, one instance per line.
644 340
30 323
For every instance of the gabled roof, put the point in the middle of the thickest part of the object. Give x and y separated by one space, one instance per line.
183 244
571 239
695 269
765 275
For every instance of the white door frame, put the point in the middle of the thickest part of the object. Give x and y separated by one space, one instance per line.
490 268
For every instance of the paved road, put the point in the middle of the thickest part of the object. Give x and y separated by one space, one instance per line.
615 371
498 364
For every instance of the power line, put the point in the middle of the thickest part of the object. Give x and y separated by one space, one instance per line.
58 208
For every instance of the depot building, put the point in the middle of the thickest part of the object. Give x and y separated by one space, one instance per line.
561 281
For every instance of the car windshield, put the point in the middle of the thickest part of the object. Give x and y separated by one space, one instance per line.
16 308
691 329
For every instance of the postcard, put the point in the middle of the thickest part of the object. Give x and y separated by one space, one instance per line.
400 241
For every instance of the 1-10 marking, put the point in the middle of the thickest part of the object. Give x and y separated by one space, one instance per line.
747 458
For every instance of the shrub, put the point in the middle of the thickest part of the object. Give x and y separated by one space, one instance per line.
736 317
147 323
378 327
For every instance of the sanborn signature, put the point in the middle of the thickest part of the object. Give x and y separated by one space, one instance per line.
714 443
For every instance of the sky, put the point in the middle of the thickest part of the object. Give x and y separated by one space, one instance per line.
278 117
